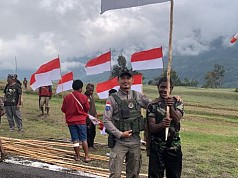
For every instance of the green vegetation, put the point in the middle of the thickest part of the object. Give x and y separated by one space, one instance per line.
209 129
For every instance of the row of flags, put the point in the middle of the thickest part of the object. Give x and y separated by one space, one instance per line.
149 59
143 60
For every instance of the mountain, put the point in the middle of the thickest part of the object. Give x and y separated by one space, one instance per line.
196 67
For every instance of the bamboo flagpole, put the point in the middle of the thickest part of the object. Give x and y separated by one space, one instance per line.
169 63
62 126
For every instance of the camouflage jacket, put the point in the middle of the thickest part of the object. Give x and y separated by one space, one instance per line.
157 109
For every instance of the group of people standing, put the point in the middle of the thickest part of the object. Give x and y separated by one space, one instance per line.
123 121
122 118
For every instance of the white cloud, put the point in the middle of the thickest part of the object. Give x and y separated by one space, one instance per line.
37 31
66 66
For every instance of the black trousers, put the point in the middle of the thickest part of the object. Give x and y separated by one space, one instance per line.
91 133
162 159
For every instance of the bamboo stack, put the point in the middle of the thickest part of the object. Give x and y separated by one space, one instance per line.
56 153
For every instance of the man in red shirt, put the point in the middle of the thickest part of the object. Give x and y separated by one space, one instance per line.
75 106
45 93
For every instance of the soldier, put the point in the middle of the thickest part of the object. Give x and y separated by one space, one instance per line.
122 118
164 155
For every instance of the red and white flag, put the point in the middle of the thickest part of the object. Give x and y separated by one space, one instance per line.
151 59
99 64
103 88
45 74
119 4
65 83
234 38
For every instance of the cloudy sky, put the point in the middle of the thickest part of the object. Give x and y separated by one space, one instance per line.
36 31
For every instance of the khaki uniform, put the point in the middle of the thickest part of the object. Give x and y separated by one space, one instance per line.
124 147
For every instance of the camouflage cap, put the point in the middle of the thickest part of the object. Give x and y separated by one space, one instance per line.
11 76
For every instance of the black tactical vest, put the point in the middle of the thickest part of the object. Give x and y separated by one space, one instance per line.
129 115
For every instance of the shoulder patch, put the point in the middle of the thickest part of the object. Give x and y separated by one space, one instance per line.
108 106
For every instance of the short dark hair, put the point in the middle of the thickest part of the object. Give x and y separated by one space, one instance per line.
77 84
112 91
90 85
164 79
125 72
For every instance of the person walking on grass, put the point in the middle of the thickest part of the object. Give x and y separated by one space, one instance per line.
122 118
164 155
75 106
12 103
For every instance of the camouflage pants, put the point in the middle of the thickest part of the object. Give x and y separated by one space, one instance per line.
162 159
132 153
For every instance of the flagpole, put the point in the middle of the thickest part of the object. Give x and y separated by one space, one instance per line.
62 98
16 63
169 63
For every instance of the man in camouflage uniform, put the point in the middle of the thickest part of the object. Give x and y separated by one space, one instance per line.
164 155
122 118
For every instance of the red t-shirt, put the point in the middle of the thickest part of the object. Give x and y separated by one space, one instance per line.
74 114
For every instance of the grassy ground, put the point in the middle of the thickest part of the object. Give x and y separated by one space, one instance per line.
209 130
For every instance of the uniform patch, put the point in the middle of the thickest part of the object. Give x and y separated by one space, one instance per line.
108 106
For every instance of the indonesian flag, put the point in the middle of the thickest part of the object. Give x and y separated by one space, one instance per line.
99 64
119 4
151 59
45 74
234 38
65 83
103 88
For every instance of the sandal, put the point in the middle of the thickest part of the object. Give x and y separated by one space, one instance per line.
77 159
87 160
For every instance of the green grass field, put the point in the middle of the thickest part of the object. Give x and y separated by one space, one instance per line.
209 129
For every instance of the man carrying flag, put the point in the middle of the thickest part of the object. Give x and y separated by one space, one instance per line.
164 154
